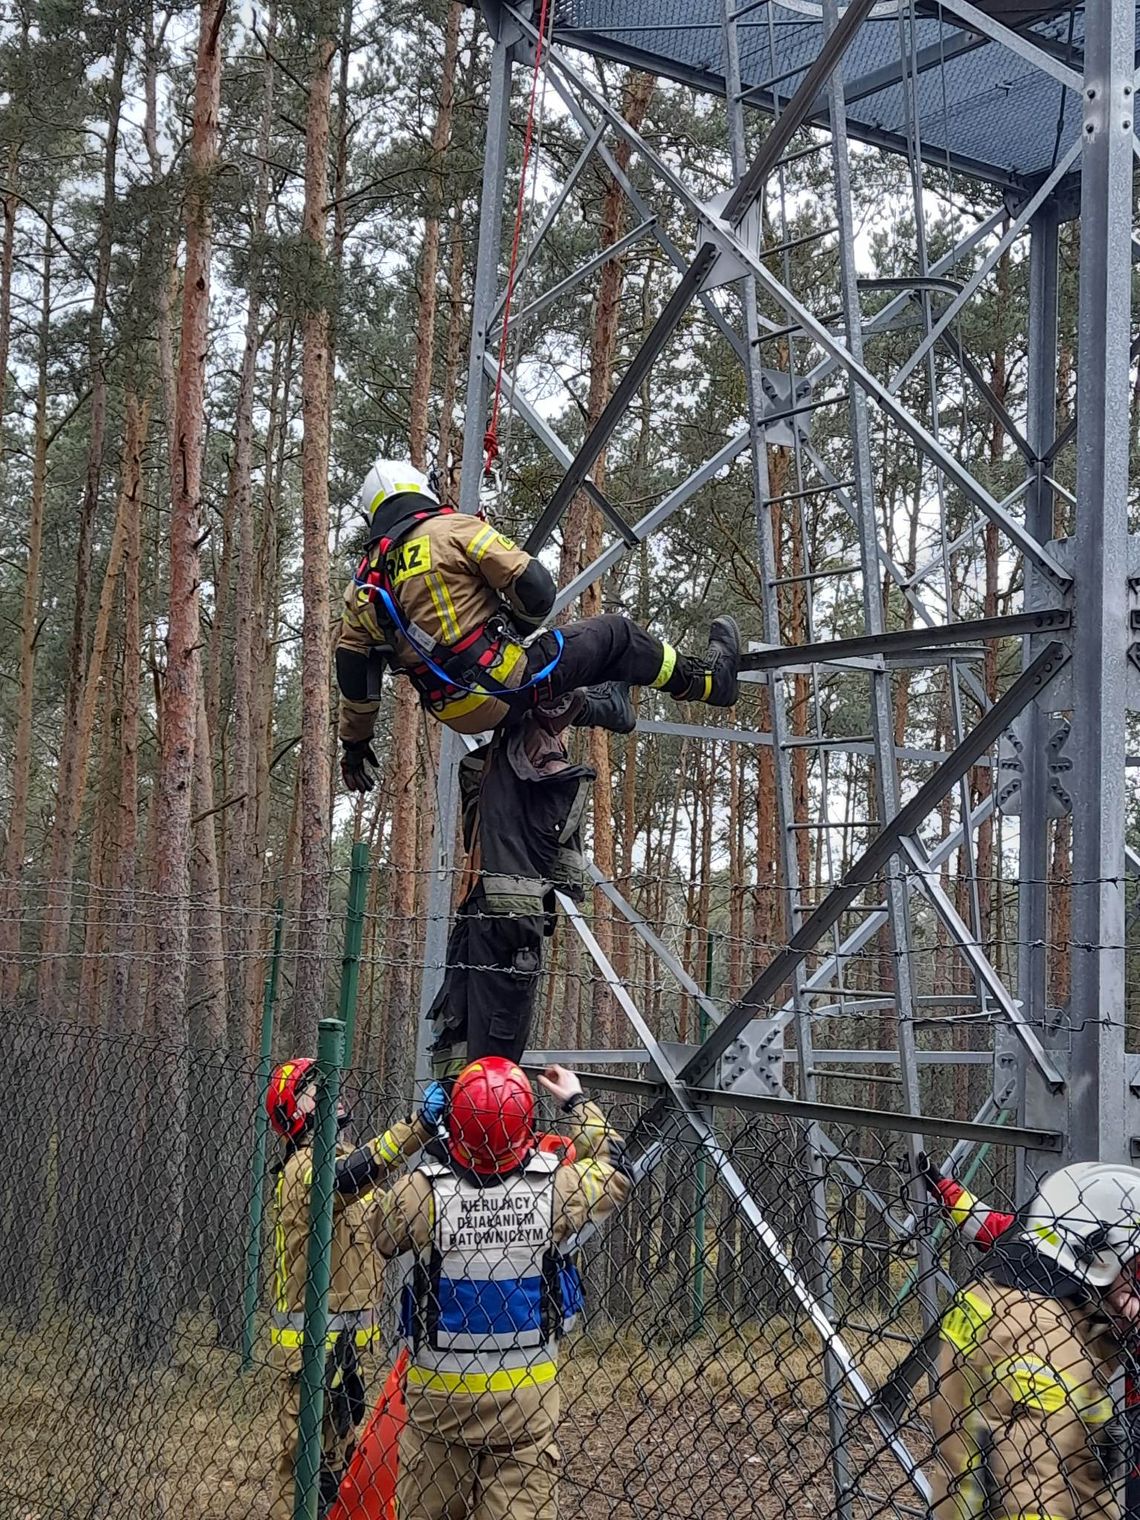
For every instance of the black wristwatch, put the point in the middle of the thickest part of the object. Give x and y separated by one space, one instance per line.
572 1103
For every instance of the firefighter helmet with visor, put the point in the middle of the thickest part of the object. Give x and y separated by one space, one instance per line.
1086 1218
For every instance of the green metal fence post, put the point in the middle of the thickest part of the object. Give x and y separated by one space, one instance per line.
701 1214
353 939
260 1128
330 1054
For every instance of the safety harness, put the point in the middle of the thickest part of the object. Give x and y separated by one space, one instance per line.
444 670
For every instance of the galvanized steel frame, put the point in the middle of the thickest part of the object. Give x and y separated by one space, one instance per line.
1073 1098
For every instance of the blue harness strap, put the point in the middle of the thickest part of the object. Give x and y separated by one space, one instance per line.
506 692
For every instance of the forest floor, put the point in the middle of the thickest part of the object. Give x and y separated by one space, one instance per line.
646 1433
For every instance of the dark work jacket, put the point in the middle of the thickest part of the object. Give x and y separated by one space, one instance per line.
523 804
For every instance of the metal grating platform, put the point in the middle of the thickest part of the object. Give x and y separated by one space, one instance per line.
983 110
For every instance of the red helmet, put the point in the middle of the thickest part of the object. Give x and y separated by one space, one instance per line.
286 1085
491 1118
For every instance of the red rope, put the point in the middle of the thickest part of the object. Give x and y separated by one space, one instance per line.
491 437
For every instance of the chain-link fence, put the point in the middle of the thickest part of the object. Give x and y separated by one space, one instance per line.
756 1335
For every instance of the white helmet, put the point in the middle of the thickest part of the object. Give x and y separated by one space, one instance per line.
1086 1218
389 478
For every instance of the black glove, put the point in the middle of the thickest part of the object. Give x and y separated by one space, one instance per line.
357 763
931 1176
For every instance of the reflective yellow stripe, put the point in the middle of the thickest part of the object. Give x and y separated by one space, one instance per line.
706 690
502 668
969 1488
444 607
1047 1234
960 1211
480 544
292 1339
963 1324
1033 1384
592 1180
385 1147
668 665
503 1381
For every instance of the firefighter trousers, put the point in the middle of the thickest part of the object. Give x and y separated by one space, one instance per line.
444 1480
335 1452
607 648
485 1005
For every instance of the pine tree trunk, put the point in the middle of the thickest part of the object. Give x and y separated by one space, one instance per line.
452 352
315 820
57 913
207 1011
241 857
16 842
166 1140
122 1016
8 207
268 611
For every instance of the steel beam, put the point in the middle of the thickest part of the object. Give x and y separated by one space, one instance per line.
550 215
847 1116
1033 823
750 184
886 782
558 450
942 458
1017 224
952 344
583 272
890 75
486 272
1021 43
1097 1106
850 1379
471 476
911 640
1052 659
627 388
967 946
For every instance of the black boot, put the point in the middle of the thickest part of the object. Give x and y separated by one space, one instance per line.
712 680
724 662
607 706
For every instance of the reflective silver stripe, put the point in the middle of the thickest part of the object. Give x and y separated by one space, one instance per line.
513 894
495 1358
577 809
351 1319
569 867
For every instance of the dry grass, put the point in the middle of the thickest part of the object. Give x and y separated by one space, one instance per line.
721 1426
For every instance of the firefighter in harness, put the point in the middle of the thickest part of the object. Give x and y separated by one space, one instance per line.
460 609
1022 1406
489 1217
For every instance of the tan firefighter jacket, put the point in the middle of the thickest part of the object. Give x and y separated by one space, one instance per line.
509 1407
1022 1410
356 1292
451 576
